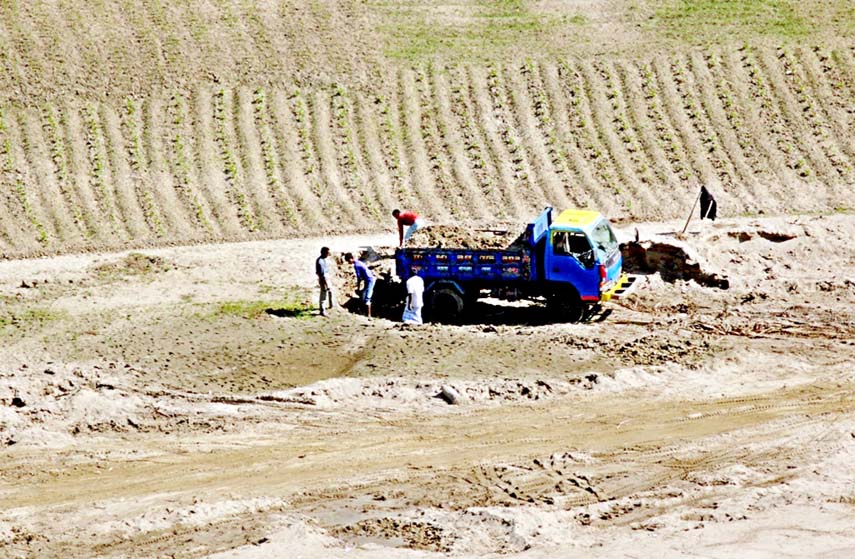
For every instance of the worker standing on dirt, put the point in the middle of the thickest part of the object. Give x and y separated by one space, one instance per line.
709 207
324 272
410 219
364 277
413 306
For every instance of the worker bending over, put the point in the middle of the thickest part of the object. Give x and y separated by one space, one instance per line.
365 278
411 220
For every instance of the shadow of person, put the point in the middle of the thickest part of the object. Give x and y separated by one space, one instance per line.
287 313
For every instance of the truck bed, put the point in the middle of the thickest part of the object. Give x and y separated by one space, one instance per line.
482 265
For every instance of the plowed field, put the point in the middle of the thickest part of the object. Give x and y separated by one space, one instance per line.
144 123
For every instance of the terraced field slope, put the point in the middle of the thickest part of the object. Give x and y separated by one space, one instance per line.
147 122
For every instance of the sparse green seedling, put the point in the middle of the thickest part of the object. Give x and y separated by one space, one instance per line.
293 306
270 157
151 214
97 157
230 163
28 317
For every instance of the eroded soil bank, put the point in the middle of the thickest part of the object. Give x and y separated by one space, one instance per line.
187 402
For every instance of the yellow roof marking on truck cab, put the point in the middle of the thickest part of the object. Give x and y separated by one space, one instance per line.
576 218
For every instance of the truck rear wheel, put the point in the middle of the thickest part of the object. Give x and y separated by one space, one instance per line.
565 305
446 305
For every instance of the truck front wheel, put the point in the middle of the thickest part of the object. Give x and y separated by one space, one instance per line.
446 305
565 306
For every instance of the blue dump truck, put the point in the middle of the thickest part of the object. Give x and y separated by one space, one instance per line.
570 259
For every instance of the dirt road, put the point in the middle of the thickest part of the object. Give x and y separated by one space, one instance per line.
187 404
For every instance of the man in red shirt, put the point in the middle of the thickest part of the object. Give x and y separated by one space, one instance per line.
410 219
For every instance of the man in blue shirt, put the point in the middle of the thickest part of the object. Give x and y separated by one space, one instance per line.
364 277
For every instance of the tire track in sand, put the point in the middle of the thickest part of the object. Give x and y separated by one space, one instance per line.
178 221
741 89
741 174
486 174
605 426
800 129
248 148
336 198
564 86
126 195
769 111
433 137
290 130
22 224
206 161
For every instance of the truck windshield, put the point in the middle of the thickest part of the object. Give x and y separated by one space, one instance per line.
604 238
575 244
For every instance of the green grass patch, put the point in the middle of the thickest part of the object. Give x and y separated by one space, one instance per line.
28 316
490 28
291 306
700 21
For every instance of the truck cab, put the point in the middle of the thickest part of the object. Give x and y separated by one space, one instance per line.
581 250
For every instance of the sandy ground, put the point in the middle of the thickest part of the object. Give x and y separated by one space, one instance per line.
184 404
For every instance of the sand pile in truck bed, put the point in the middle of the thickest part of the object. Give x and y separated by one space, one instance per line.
490 237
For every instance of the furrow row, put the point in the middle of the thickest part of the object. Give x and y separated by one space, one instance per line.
764 128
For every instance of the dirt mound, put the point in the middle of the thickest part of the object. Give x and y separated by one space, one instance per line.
660 350
416 535
135 263
672 259
455 236
44 405
382 393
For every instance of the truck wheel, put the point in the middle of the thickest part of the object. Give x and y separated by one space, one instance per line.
446 305
565 306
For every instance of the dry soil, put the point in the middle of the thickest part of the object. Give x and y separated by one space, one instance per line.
188 402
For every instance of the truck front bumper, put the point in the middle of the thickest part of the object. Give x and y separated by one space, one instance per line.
621 288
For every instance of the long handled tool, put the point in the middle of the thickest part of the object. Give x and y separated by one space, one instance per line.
691 213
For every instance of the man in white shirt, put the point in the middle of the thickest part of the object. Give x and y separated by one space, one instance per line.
413 307
323 270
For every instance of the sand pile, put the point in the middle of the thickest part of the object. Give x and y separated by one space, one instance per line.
672 259
391 393
50 405
496 236
381 264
